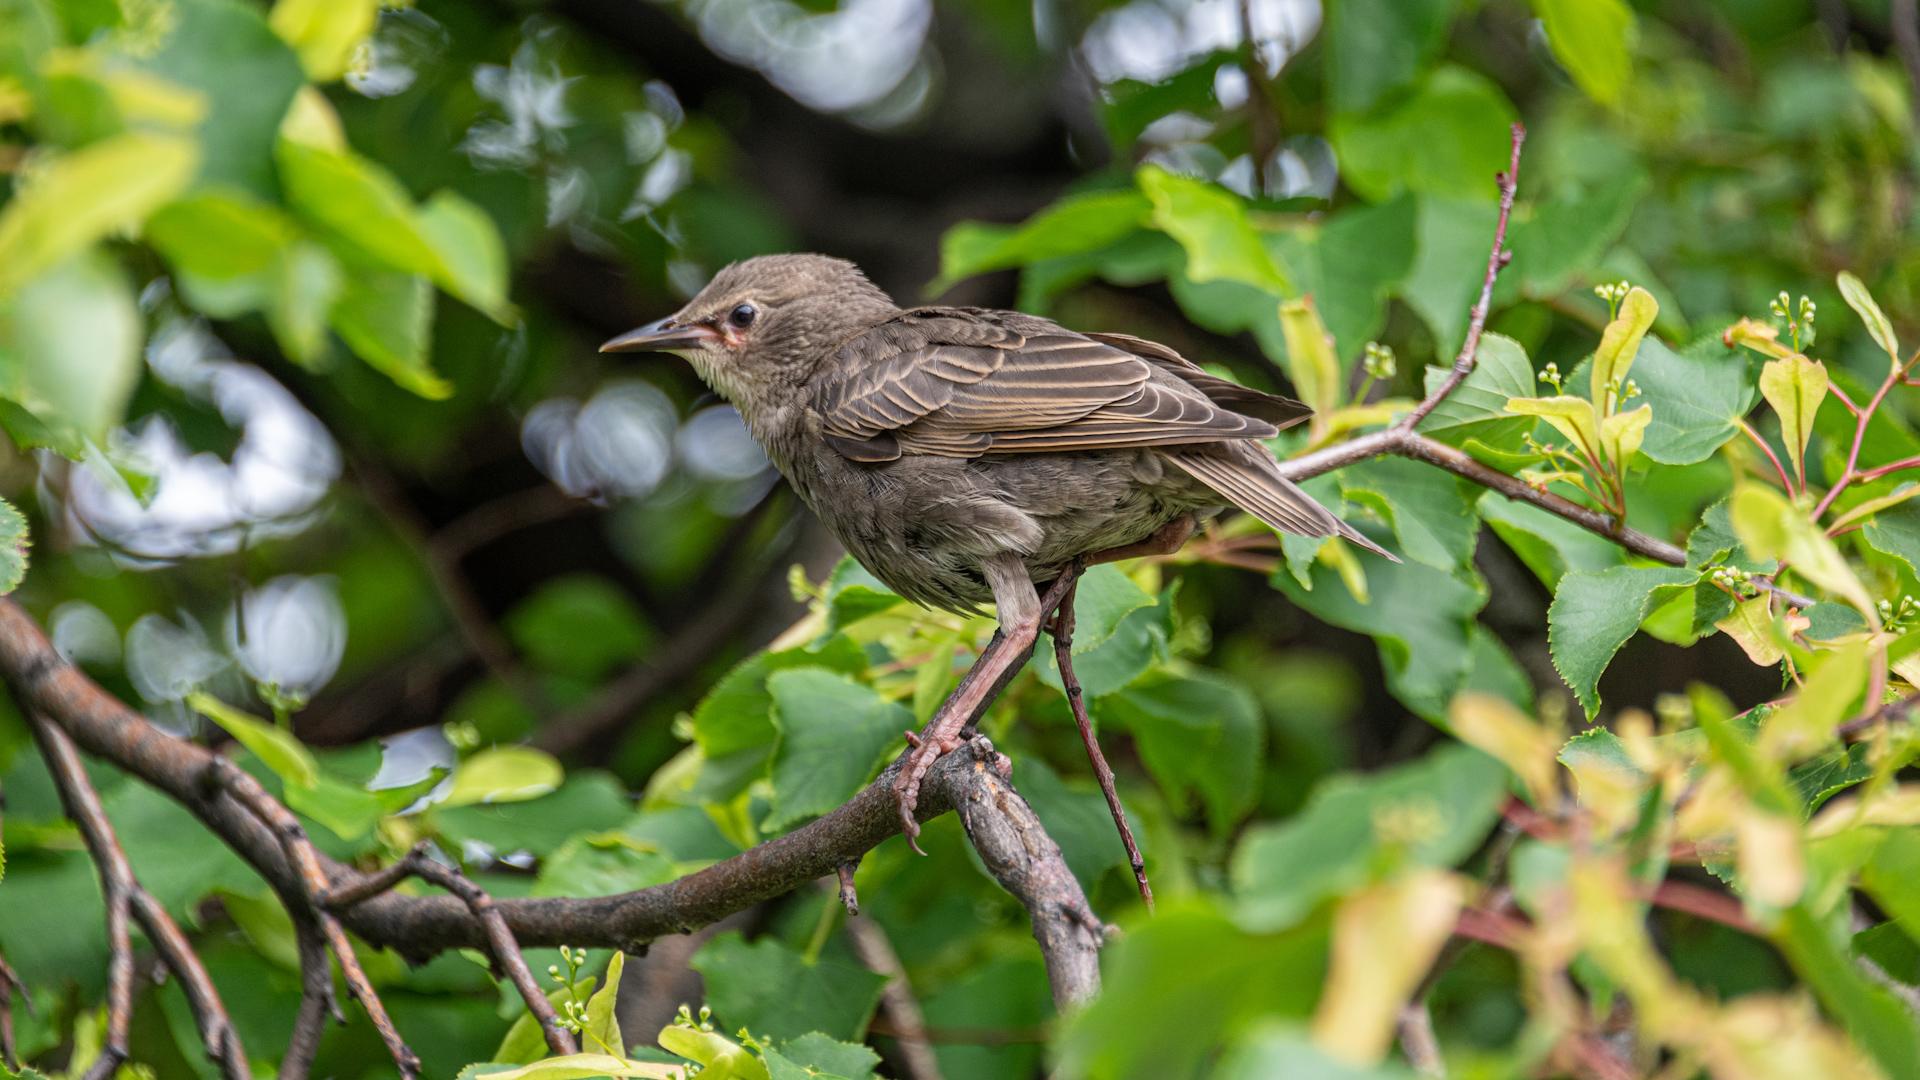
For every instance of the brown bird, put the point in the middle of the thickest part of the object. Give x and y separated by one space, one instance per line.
964 454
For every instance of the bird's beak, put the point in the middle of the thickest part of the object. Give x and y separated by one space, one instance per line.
662 336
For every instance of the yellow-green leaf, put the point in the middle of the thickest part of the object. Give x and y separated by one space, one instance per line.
1572 417
1870 507
287 756
1311 361
324 33
1620 343
1770 527
1751 627
594 1066
504 774
1384 938
1492 725
603 1030
1795 386
1807 722
1854 291
87 194
1622 433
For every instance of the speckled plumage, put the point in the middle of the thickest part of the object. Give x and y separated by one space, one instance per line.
938 444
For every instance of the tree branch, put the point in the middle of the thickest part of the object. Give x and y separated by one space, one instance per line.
126 898
1011 841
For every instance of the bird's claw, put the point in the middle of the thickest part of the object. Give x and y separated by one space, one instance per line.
906 787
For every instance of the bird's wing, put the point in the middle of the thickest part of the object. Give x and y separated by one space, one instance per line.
958 382
1281 412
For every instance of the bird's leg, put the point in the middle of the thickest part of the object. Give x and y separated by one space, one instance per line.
1063 653
1021 611
1165 540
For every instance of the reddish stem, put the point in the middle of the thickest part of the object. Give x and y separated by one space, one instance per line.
1747 430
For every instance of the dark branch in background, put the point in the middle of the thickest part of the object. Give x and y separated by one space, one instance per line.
1905 18
10 984
897 1002
125 895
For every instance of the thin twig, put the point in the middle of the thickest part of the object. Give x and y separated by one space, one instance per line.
849 896
1076 699
1418 1041
126 897
1497 258
317 999
222 775
9 985
504 949
909 1024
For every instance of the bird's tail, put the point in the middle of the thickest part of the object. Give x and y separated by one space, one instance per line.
1252 482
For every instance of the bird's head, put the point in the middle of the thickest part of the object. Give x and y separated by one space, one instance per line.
762 325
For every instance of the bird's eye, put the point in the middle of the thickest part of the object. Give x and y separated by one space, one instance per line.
742 315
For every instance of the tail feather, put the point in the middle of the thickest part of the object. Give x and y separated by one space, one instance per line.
1252 482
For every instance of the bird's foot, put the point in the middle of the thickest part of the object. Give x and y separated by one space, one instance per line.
940 737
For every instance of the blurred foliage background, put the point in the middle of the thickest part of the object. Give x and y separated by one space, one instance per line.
298 308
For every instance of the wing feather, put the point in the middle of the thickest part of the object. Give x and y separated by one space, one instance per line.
962 383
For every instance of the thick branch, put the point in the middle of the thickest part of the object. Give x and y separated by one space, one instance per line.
1011 844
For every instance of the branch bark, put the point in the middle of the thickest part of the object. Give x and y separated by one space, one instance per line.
125 897
1010 840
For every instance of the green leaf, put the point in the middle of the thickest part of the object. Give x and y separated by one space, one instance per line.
1105 663
833 732
70 353
349 810
1549 544
580 625
1869 1013
221 233
357 202
1594 613
1199 735
470 259
247 76
1897 533
1074 225
524 1042
602 864
718 1055
1431 511
1077 817
324 32
1448 137
814 1054
14 542
1795 386
1620 343
1376 48
1351 831
736 715
1478 406
1854 291
387 320
589 801
772 990
502 774
1698 396
1183 984
1418 617
1772 528
1102 600
278 749
1591 39
85 195
1211 224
